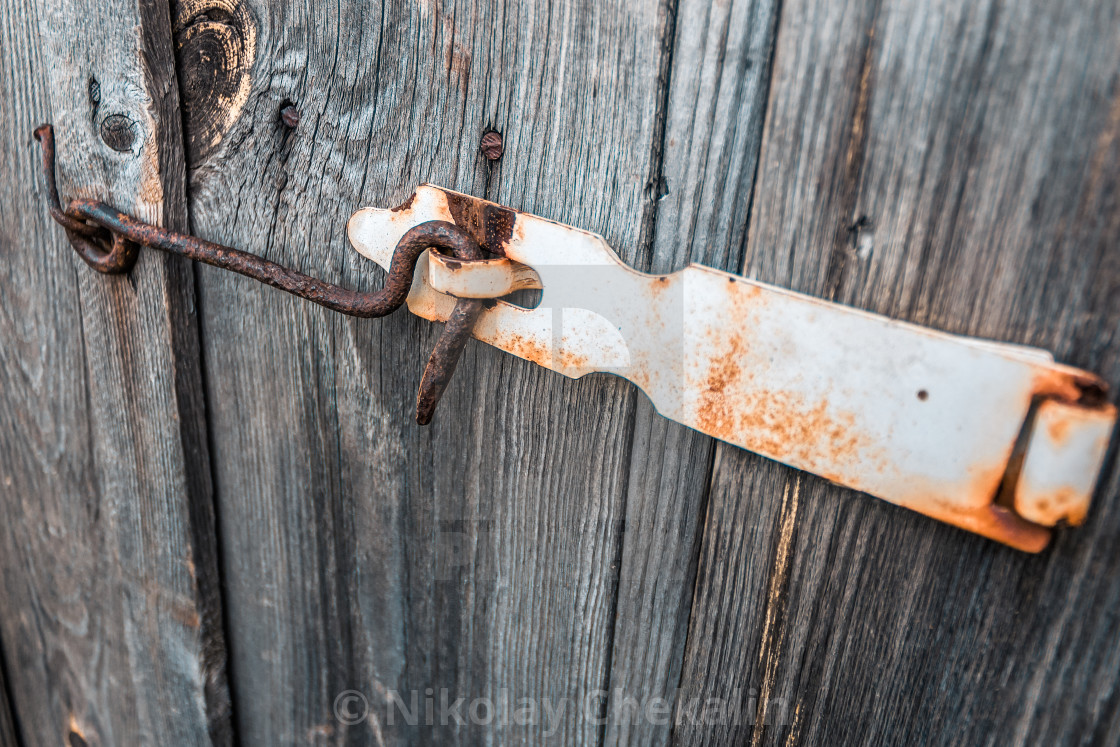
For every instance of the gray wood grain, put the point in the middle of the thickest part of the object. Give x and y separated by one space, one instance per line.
110 620
955 166
714 101
8 735
362 552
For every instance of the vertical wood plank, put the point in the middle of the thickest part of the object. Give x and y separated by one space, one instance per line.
714 100
7 724
111 619
953 165
478 556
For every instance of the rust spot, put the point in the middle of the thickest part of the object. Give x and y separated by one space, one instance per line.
1008 527
404 205
777 423
568 359
657 287
1064 503
542 354
923 395
528 348
1069 385
1058 430
994 522
802 432
973 506
1070 505
489 224
722 372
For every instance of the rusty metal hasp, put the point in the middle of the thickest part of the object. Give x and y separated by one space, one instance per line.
994 438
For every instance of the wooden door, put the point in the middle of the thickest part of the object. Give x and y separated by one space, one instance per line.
219 521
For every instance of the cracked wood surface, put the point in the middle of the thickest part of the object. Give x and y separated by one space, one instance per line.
7 725
362 552
110 616
954 166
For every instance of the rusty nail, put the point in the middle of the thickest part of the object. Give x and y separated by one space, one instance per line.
289 115
491 145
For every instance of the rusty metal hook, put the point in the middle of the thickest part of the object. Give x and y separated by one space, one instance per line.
109 240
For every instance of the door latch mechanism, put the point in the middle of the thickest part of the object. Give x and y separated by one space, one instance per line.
994 438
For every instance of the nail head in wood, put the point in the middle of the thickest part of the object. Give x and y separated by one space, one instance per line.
289 115
491 145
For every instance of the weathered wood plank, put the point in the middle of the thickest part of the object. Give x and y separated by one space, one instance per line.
7 724
715 98
362 552
954 166
111 617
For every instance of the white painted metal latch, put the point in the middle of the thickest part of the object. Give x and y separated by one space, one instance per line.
994 438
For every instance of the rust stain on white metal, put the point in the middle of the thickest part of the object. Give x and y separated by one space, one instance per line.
1066 450
920 418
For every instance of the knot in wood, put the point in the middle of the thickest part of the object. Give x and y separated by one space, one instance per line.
118 131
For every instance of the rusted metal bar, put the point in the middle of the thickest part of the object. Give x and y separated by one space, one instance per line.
445 357
109 240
